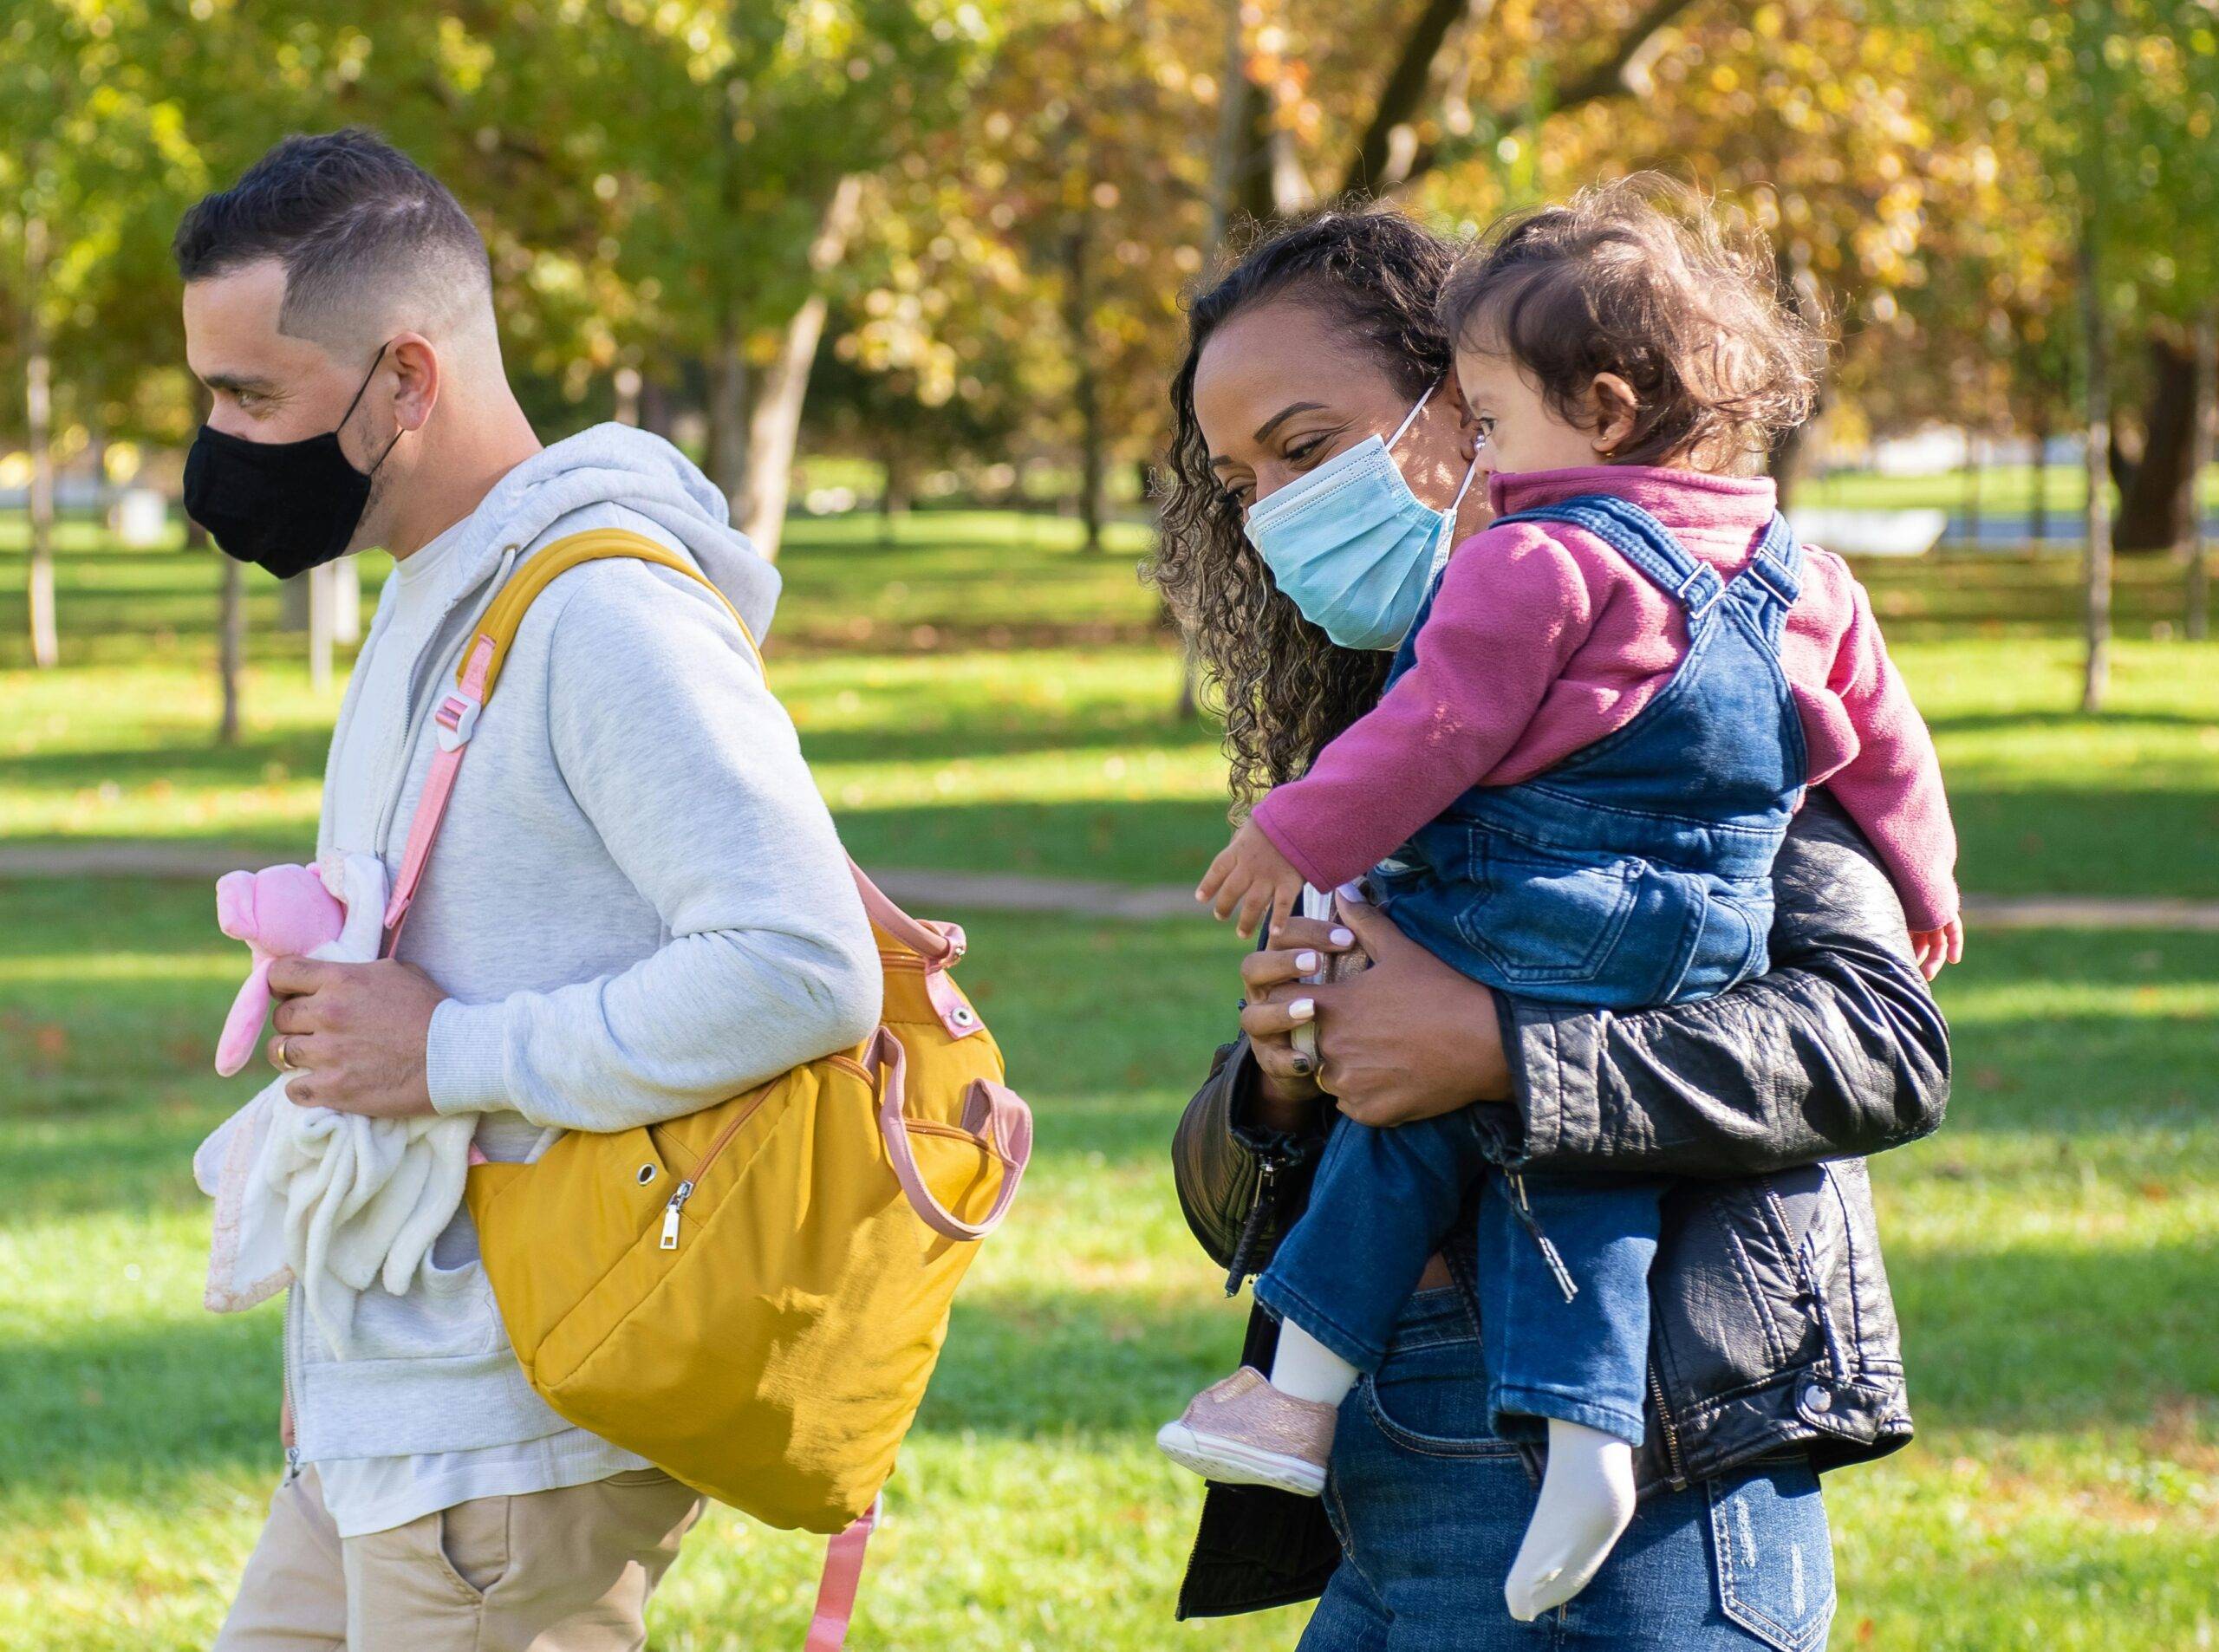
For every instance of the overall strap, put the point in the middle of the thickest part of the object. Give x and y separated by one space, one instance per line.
1769 586
1642 540
455 719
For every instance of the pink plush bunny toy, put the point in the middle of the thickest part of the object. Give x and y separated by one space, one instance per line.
281 912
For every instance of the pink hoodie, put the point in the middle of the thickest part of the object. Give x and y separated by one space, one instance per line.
1543 640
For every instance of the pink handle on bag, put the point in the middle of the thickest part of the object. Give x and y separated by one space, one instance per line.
993 1113
940 945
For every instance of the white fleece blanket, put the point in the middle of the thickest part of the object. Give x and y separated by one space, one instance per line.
334 1201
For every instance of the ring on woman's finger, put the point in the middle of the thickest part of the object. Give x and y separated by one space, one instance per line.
285 1054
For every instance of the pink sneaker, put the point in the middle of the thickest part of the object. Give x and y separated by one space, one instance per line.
1245 1432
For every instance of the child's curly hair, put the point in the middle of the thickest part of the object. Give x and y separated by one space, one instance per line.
1641 279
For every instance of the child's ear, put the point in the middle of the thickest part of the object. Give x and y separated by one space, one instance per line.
1614 411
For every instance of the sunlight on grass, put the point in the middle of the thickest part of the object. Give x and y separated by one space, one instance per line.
973 693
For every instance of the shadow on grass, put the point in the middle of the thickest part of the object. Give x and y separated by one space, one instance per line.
2033 1342
185 761
2032 722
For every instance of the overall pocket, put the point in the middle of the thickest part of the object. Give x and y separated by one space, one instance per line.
1774 1554
1545 919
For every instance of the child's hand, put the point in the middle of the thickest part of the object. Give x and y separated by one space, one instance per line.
1252 875
1931 948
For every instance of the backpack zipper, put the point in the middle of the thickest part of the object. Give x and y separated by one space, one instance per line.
673 1211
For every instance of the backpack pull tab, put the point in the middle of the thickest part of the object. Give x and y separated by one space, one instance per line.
670 1213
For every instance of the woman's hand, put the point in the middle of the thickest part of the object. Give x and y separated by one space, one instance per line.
1408 1038
1287 1096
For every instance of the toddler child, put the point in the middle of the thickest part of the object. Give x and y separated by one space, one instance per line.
1598 724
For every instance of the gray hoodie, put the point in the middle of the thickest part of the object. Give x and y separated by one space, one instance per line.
637 901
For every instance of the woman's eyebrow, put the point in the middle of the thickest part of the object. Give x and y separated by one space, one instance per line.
1264 431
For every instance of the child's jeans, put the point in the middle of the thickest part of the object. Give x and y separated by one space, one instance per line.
1382 1204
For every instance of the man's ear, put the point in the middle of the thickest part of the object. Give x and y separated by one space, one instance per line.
1616 409
415 365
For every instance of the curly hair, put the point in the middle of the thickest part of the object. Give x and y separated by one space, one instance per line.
1641 279
1283 687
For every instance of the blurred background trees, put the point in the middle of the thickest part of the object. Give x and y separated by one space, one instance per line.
947 240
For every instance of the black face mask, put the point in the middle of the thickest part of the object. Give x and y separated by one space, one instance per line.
286 505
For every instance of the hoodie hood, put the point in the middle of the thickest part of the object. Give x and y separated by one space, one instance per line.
639 472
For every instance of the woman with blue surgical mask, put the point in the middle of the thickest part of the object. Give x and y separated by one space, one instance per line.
1352 545
1322 457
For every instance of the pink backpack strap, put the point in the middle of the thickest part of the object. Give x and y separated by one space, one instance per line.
993 1113
836 1588
456 720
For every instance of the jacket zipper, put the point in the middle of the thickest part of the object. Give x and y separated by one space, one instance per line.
674 1211
1671 1435
1267 1171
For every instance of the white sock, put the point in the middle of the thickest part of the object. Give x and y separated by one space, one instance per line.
1586 1500
1308 1370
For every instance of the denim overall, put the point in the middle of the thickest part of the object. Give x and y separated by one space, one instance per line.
1637 872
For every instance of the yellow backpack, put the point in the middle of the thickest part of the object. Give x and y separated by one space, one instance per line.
751 1296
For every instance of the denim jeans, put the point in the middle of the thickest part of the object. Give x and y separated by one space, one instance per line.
1429 1506
1383 1200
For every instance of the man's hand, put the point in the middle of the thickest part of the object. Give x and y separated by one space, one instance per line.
352 1035
1251 876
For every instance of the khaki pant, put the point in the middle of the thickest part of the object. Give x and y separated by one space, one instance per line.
568 1571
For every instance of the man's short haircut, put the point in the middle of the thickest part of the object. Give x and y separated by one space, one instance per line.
365 235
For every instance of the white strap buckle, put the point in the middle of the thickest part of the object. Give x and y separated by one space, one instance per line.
458 719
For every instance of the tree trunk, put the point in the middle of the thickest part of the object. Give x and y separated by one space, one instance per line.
1086 388
656 410
727 410
1622 68
323 607
774 422
230 633
896 488
2153 506
2038 520
2095 673
1791 453
1786 462
293 603
624 385
1383 155
1974 460
1237 98
347 600
2193 542
38 415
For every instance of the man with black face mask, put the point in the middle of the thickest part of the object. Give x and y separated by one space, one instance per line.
638 906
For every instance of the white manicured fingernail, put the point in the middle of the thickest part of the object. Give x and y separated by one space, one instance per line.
1343 938
1302 1009
1305 961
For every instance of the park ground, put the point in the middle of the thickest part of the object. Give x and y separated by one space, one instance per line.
976 694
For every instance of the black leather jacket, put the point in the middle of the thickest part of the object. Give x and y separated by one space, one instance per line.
1773 1327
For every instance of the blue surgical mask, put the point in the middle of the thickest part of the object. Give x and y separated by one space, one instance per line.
1352 547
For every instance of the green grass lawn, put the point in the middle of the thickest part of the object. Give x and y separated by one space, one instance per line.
976 694
2051 1253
